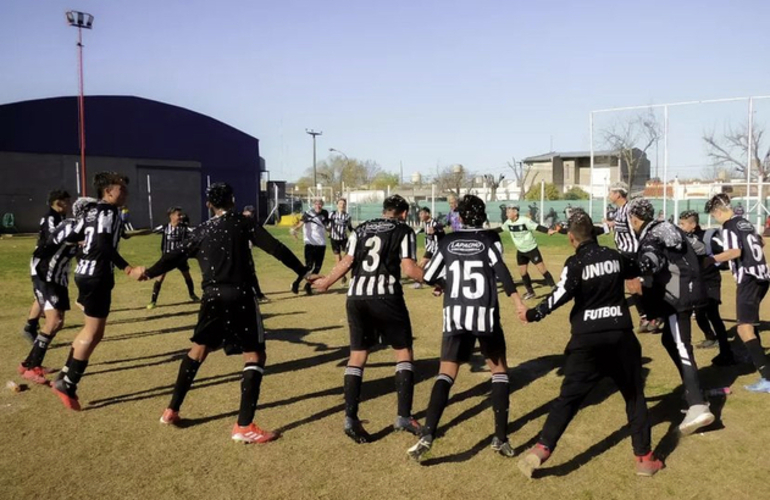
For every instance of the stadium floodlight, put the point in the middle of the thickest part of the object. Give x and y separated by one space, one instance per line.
81 20
314 133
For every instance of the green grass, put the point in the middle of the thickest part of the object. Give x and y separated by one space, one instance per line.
117 449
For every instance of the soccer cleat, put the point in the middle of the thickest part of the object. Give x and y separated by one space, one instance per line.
533 459
707 344
529 295
295 287
697 416
170 417
262 298
308 289
253 434
437 291
420 450
647 465
69 399
21 369
151 305
502 447
761 385
355 431
194 298
408 424
29 333
724 359
36 375
417 285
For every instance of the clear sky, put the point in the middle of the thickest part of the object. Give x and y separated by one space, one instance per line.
419 82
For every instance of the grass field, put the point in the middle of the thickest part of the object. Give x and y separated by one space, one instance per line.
116 448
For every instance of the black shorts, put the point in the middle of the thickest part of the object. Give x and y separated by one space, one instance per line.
458 347
230 318
50 296
524 258
749 295
374 321
184 266
95 295
338 246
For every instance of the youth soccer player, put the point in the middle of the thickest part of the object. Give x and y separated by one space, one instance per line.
434 232
174 234
339 227
378 250
52 267
744 250
58 204
470 262
313 223
520 228
99 230
602 345
229 312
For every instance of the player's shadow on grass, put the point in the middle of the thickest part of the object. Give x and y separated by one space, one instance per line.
140 308
298 336
132 336
159 359
142 319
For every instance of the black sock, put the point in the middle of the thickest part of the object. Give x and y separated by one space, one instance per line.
353 379
37 353
438 401
32 323
190 287
500 404
758 357
65 368
75 370
405 388
156 290
527 282
187 371
549 279
250 383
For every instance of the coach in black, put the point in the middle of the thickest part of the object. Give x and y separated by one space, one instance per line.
602 344
229 313
377 251
674 289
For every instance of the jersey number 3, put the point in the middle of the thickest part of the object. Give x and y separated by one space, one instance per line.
374 244
466 274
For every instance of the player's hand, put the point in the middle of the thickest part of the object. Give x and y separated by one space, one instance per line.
521 311
552 231
321 284
634 286
138 273
312 278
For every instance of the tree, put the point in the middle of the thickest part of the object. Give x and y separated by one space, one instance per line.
715 171
453 179
521 173
631 140
493 184
730 151
551 192
384 179
575 193
337 170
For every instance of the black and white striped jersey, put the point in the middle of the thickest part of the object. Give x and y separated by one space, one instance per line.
377 247
47 225
738 233
99 230
53 258
339 225
626 241
173 237
471 262
434 231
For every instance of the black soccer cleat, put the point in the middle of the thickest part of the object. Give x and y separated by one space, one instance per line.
194 298
502 447
295 287
355 431
408 424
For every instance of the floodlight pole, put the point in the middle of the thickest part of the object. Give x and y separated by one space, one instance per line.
665 161
81 20
591 168
314 133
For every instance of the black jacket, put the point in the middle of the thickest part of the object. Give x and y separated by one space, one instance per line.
595 277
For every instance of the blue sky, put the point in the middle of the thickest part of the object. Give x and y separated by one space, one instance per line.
418 82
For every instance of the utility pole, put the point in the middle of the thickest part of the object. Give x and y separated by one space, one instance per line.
314 133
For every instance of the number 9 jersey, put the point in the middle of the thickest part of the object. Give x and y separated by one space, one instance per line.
377 247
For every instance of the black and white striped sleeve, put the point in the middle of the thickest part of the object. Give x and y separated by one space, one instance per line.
435 269
408 246
352 243
730 240
501 270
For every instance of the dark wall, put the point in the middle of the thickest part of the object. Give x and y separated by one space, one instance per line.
132 127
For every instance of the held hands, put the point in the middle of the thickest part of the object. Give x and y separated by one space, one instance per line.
320 283
521 309
138 273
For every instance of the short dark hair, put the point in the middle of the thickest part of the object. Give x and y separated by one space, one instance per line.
718 201
395 203
425 209
173 209
342 199
220 195
690 214
642 209
581 226
58 195
472 211
103 180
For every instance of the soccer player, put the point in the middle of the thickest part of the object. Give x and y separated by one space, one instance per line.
675 288
520 229
743 249
434 232
602 345
706 244
99 229
174 235
51 267
314 223
627 243
229 312
339 227
378 250
470 261
58 204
